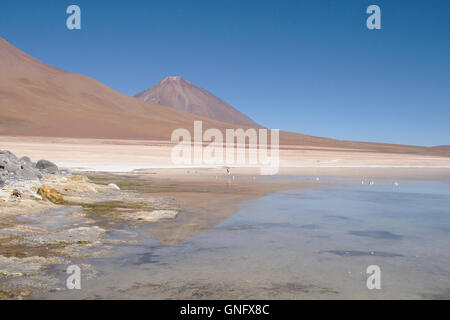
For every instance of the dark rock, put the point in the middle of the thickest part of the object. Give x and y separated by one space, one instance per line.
46 166
13 169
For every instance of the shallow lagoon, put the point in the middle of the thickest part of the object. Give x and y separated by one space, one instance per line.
313 243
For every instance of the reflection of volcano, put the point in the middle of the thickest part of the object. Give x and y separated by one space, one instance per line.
206 201
191 223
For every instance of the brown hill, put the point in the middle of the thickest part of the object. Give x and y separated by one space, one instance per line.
182 95
39 100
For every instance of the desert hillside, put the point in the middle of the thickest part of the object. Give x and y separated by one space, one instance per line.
39 100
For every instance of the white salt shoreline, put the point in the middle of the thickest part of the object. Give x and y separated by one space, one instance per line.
131 168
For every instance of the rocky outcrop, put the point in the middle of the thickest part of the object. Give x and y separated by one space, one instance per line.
50 194
46 166
13 169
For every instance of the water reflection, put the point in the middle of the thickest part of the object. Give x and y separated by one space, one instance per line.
309 243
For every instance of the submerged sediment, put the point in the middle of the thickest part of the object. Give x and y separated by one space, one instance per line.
50 217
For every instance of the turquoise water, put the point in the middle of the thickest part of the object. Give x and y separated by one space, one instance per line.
313 243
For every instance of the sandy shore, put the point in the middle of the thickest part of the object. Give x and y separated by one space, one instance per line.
128 155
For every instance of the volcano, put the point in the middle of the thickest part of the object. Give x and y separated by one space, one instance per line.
182 95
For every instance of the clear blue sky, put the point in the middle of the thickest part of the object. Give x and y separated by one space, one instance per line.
306 66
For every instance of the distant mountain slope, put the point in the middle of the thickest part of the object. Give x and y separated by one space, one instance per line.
40 100
182 95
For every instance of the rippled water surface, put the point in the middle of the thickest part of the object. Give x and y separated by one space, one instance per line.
301 244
